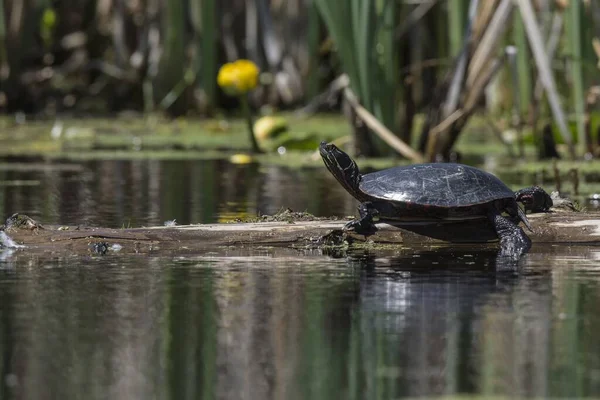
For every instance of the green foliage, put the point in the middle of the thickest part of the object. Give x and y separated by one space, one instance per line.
363 32
457 11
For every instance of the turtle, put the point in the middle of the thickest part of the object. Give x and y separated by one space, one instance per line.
436 191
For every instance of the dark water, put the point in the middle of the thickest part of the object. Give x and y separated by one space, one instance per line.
276 324
138 193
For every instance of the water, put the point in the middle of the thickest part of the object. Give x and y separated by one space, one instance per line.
147 192
276 323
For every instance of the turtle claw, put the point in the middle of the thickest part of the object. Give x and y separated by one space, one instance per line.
523 218
364 225
361 226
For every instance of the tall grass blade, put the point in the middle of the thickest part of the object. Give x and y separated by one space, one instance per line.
362 11
336 17
513 56
363 32
459 74
522 65
551 46
492 35
415 16
387 70
3 60
171 66
252 42
574 39
207 65
543 64
456 16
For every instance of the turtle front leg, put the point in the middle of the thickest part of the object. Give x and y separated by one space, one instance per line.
364 225
534 199
513 240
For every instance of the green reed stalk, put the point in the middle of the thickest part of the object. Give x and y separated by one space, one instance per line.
173 59
456 24
208 49
523 64
247 113
574 43
388 67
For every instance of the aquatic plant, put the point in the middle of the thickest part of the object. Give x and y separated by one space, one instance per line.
237 79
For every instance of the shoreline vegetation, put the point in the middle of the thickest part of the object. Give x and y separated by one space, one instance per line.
408 77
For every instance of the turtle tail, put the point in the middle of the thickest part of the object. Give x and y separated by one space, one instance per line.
523 218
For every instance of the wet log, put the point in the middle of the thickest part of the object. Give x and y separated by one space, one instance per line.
556 228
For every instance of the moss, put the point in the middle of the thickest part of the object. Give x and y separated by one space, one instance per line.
284 215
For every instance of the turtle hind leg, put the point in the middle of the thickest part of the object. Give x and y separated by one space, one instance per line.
534 199
513 240
364 225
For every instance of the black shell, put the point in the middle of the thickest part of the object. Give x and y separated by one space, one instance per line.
439 185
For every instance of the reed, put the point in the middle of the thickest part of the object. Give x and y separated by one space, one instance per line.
3 60
363 32
204 14
546 76
523 64
573 26
169 84
456 23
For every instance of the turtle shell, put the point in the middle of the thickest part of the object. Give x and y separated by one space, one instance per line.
439 185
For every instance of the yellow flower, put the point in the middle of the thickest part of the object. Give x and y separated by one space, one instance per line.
238 77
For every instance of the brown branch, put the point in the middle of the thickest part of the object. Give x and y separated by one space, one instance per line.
380 130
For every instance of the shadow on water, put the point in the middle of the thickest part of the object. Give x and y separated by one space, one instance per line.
300 325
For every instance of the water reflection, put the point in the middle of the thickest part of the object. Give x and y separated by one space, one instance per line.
296 326
149 192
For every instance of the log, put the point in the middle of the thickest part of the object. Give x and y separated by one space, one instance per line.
560 227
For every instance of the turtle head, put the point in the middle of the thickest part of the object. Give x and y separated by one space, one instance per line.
342 167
